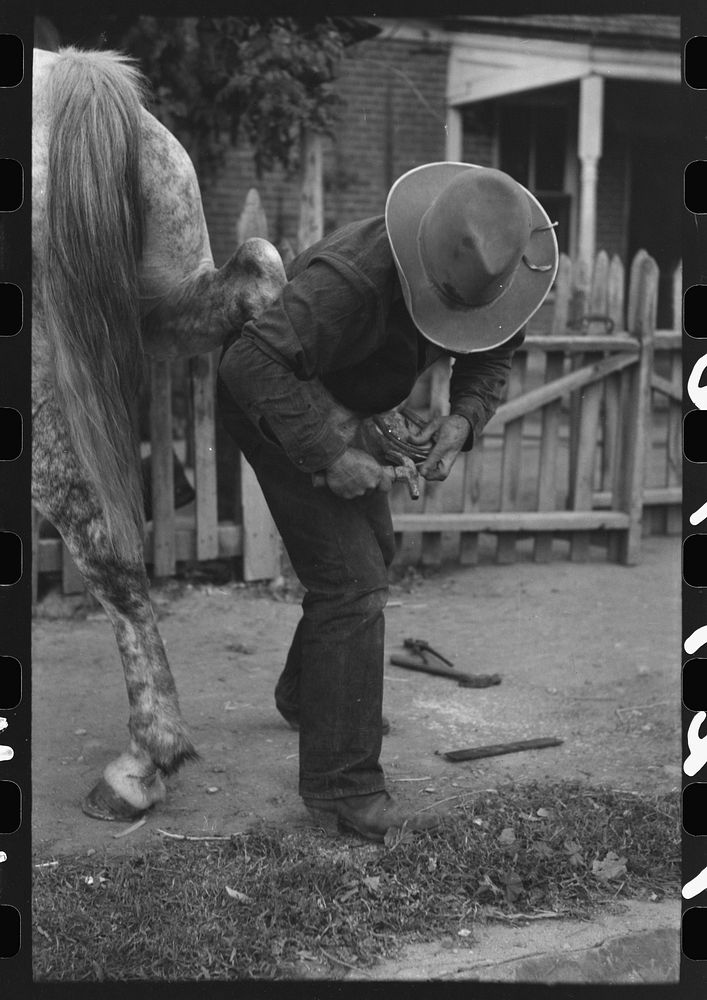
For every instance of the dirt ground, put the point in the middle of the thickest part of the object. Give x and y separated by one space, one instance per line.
587 652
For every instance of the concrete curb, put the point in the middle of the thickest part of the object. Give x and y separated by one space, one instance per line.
637 943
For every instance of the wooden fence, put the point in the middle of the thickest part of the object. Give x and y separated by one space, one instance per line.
585 448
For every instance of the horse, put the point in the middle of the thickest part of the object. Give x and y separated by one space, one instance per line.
122 269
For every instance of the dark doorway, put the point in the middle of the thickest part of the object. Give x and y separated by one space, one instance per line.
656 212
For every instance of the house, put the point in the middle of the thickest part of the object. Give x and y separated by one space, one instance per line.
584 110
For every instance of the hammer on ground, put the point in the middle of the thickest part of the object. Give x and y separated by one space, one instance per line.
422 660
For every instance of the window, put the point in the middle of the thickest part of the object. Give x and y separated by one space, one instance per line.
532 148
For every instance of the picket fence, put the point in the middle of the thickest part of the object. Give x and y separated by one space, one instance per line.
584 450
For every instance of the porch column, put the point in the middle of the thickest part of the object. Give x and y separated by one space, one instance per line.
453 128
591 127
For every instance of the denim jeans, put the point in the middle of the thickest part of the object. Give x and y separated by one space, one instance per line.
333 675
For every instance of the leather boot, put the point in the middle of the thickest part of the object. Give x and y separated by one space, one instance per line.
371 816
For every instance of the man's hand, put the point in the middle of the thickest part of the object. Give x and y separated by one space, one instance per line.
355 473
449 435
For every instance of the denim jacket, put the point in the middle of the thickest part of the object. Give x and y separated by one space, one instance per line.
340 328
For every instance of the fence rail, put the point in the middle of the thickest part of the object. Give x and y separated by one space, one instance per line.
584 449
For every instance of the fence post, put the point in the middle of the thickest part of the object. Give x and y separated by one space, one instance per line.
614 394
511 461
643 300
552 412
36 518
615 312
311 218
252 221
71 580
433 498
471 496
286 251
163 542
673 515
581 278
202 370
261 542
588 411
625 381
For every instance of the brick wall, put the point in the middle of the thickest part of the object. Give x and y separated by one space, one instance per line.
392 120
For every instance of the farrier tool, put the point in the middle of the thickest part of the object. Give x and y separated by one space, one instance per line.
421 659
496 749
385 436
406 472
421 647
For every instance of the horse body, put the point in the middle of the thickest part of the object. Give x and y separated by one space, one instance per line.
121 265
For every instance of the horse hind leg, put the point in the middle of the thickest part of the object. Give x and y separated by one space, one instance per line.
159 740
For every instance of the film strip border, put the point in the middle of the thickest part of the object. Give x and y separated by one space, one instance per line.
15 518
15 512
693 971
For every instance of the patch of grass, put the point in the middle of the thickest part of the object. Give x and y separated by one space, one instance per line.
275 905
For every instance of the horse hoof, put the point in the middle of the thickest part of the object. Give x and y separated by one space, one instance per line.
103 803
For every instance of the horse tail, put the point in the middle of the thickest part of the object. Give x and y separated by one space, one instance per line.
90 283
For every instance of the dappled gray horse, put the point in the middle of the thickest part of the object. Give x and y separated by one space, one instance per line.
122 268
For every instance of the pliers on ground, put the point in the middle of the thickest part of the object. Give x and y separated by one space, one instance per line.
421 647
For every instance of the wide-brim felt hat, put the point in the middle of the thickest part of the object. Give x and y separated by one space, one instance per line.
475 251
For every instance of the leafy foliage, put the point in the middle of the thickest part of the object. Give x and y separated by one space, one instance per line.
267 78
